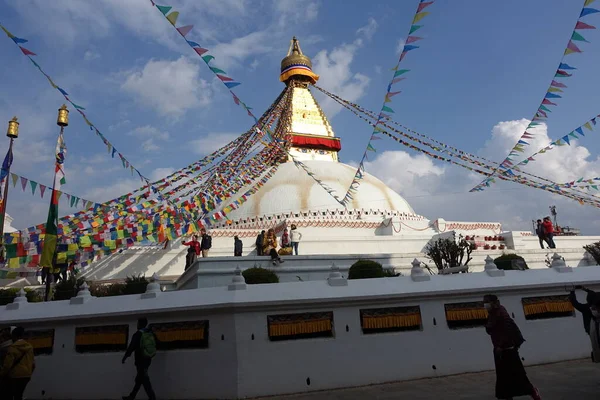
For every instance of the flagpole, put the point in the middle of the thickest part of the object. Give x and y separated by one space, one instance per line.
12 133
49 255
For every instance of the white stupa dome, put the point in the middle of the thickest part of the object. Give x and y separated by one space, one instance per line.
290 189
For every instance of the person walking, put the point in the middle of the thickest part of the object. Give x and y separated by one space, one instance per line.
591 318
539 231
270 247
549 232
5 342
143 346
295 237
511 378
18 365
238 247
206 243
260 240
192 252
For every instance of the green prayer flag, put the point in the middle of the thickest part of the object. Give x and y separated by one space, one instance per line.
33 186
387 109
414 28
578 37
400 72
164 9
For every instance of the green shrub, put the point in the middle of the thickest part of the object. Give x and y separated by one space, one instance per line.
64 290
135 284
390 273
108 290
365 269
257 275
7 296
505 262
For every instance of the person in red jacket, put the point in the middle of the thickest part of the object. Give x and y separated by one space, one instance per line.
193 251
549 232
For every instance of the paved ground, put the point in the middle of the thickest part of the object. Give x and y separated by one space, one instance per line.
573 380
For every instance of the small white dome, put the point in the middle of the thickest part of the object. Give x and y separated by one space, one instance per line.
292 190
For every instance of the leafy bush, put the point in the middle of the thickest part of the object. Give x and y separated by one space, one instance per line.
505 262
390 272
107 290
64 290
7 296
135 284
447 253
594 250
257 275
365 269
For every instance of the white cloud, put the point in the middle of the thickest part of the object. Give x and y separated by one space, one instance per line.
368 30
91 55
231 54
212 142
160 173
169 87
334 67
150 135
400 46
109 192
289 13
441 190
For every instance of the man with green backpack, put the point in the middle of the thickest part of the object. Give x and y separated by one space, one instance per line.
143 345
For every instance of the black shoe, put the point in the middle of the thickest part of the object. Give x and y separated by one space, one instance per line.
281 261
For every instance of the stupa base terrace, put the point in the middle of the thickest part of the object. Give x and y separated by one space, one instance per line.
393 241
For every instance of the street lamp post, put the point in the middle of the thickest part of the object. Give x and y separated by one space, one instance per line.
12 133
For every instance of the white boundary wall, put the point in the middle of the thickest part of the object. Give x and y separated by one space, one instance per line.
241 361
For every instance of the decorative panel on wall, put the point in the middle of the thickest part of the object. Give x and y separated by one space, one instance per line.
547 307
391 319
41 340
100 339
466 315
300 326
181 335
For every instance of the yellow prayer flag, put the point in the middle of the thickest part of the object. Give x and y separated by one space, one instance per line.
420 16
588 125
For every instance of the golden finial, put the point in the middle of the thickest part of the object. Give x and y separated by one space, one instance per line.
63 116
297 64
13 128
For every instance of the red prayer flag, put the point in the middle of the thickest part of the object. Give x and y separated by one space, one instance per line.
200 50
27 52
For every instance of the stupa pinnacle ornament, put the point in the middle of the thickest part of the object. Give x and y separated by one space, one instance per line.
309 130
297 65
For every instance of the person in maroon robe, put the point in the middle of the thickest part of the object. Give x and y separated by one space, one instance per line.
511 378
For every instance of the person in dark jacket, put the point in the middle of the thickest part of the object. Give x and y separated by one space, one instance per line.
260 241
238 247
5 342
18 365
511 378
590 321
205 243
142 362
539 231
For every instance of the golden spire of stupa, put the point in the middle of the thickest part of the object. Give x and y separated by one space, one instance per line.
296 64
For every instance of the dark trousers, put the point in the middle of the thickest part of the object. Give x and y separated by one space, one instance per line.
189 259
295 246
259 250
274 255
550 240
541 239
17 388
142 379
237 253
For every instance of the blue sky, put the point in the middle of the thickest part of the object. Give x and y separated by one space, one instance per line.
480 66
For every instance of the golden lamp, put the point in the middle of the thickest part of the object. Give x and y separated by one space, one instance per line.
63 116
13 128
